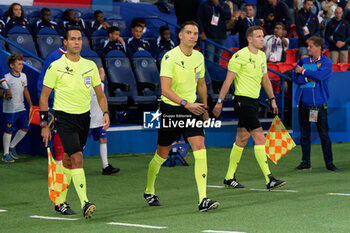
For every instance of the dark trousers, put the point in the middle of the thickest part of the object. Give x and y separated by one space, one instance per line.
322 128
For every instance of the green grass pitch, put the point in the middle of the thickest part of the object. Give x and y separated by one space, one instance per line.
119 198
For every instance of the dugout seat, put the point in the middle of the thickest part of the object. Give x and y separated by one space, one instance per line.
121 79
146 73
48 41
98 38
33 62
213 97
92 55
23 38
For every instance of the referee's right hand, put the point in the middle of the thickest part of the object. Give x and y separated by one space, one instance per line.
46 134
196 108
217 110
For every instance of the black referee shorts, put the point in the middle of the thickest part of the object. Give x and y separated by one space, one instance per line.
168 133
247 110
73 130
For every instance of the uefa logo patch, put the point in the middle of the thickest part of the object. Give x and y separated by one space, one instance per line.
151 120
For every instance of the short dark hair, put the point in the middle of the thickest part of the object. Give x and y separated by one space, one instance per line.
188 23
248 4
163 29
14 57
112 29
250 30
65 34
137 20
97 12
137 25
307 1
317 41
66 13
45 9
281 24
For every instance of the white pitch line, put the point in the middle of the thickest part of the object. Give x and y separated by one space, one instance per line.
339 194
53 218
275 190
213 231
215 186
3 211
261 190
135 225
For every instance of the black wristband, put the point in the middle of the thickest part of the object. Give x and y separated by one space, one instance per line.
44 116
272 98
106 113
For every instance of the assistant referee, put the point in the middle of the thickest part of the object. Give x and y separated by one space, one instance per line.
72 78
182 73
248 69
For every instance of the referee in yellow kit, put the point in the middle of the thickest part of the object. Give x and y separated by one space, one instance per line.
72 77
182 74
248 69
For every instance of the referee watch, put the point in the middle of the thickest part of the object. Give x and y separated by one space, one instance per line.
219 101
183 103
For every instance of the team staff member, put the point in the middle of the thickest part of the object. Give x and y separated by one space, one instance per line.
182 72
72 77
312 97
249 70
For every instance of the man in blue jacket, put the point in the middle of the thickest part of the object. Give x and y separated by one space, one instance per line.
312 75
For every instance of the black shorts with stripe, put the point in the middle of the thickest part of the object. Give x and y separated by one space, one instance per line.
73 130
247 110
177 121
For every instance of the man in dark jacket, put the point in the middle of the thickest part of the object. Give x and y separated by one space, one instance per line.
338 37
312 96
212 16
45 15
186 10
114 42
245 21
135 43
276 11
307 25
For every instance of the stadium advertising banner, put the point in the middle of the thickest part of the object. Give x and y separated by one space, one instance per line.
52 3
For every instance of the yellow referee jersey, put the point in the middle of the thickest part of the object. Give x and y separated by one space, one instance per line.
184 72
72 82
249 69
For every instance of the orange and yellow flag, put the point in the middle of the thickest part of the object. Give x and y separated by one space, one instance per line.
278 141
56 178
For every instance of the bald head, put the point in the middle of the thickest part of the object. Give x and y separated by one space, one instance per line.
338 13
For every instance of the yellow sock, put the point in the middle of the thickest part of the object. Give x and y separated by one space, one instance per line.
79 181
260 156
235 157
153 170
200 172
68 173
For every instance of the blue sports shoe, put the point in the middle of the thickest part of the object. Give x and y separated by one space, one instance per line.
13 153
7 158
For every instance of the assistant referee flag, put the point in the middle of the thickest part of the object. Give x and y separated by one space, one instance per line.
278 141
57 181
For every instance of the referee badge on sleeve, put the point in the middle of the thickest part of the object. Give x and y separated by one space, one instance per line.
197 75
262 70
87 81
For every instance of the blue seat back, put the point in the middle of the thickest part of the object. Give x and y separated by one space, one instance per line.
119 72
48 43
146 71
33 62
91 55
23 38
98 38
86 45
